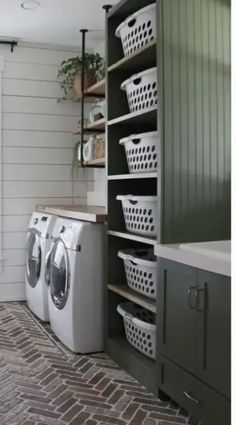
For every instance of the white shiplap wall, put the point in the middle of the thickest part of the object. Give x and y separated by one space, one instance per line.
37 150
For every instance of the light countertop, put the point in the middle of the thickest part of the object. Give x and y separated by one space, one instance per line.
76 212
211 256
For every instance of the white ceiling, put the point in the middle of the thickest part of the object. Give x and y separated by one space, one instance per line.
54 22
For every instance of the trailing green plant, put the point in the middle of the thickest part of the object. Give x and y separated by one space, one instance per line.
71 68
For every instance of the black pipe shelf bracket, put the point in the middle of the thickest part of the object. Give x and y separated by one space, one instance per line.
83 31
12 43
107 7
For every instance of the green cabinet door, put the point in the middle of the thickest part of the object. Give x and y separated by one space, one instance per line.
177 317
213 331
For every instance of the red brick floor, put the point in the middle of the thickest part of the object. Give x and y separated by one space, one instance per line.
43 383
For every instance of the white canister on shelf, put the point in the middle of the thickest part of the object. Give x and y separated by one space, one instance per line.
88 150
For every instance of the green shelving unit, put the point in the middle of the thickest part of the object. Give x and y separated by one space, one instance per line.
192 182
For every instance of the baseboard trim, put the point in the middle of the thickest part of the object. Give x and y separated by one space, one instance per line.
12 292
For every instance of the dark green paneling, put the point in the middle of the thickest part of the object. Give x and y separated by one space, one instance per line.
194 75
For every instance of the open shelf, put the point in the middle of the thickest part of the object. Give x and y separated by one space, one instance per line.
131 237
97 89
98 125
147 116
133 176
136 363
99 161
130 295
144 56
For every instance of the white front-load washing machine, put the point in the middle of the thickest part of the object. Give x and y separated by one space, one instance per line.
37 247
75 270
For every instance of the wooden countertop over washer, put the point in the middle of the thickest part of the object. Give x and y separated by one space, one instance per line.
77 212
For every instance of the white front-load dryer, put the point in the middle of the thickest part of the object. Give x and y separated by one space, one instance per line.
76 284
37 247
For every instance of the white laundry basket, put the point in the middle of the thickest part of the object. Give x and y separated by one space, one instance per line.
140 213
142 151
141 90
138 29
141 270
140 329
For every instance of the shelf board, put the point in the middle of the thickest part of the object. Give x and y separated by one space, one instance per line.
98 125
133 176
127 293
88 100
98 161
140 117
132 237
97 89
144 56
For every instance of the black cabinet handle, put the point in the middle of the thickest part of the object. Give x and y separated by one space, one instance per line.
192 290
194 400
201 299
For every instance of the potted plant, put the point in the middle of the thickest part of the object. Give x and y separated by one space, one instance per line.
69 73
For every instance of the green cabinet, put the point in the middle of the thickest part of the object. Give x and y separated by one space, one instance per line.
194 338
213 331
177 321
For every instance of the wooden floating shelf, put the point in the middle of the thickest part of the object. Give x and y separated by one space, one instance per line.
98 161
148 116
130 295
132 237
71 100
144 56
97 89
133 176
98 125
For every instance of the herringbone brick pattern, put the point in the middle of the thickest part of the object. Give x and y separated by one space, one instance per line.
43 383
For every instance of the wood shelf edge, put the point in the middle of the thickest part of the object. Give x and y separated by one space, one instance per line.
129 58
130 295
133 237
97 161
95 126
96 89
133 176
132 115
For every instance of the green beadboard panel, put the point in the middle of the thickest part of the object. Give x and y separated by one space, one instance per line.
194 81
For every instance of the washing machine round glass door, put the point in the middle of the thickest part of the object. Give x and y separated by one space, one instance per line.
59 274
34 258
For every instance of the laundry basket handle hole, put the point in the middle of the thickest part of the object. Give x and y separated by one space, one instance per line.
136 141
133 262
131 23
133 202
137 81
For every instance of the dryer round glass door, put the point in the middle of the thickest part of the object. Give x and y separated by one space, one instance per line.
59 274
34 258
